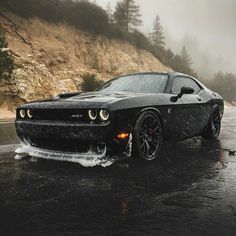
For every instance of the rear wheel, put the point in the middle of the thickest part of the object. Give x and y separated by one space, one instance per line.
147 136
214 125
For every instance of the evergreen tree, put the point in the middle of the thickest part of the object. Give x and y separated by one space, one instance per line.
109 14
184 62
6 61
127 15
169 54
157 36
181 63
186 59
119 15
176 63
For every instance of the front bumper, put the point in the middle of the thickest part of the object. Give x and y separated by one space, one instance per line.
70 140
88 159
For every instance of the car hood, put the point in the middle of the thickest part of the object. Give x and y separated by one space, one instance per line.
91 100
99 97
84 100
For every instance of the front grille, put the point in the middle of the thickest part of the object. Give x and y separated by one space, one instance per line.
66 145
72 115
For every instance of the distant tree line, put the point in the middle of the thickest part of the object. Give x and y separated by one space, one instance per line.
225 85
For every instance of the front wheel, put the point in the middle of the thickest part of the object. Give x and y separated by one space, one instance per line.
213 129
147 136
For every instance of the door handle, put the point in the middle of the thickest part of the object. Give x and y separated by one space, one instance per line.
199 99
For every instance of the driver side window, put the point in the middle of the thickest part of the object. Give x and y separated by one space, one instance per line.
180 82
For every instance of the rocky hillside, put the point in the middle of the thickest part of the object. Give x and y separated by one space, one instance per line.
51 59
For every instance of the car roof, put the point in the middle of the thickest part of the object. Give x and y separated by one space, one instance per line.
173 73
144 73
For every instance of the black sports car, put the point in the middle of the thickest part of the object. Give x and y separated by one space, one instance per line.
130 114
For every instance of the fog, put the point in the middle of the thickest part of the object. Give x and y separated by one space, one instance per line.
206 27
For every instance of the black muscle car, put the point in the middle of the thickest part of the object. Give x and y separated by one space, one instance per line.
130 114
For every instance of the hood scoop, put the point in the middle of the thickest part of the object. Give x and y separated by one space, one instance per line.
68 95
96 96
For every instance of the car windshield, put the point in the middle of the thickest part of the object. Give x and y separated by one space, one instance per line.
139 83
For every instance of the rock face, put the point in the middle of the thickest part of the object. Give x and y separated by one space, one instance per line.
51 59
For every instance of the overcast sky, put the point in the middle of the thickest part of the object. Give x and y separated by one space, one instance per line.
211 23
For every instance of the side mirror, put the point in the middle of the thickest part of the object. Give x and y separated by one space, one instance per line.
184 90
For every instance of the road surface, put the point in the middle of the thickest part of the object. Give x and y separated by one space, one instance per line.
189 190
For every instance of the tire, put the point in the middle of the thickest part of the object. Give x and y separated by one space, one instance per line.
214 125
147 136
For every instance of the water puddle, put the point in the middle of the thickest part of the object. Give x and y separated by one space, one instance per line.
8 148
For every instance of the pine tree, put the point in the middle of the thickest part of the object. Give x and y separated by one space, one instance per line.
185 58
119 15
182 63
127 15
157 36
109 13
6 61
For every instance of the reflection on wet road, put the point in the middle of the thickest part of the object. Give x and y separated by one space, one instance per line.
189 190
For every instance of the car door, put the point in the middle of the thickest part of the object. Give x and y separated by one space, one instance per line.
188 120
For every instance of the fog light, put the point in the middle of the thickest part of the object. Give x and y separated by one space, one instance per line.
104 115
92 114
123 135
22 113
29 114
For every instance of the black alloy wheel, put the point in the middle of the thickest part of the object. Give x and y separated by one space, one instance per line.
214 125
147 136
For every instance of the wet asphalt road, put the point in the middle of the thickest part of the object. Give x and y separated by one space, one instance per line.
189 190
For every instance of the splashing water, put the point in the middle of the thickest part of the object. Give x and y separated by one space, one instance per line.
88 159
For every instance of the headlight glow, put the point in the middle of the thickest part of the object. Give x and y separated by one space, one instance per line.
104 115
29 114
92 114
22 113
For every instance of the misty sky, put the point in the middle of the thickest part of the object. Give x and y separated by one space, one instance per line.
210 24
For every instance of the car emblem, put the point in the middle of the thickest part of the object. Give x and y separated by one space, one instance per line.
77 116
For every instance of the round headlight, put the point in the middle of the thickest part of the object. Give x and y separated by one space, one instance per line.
92 114
22 113
29 114
104 115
